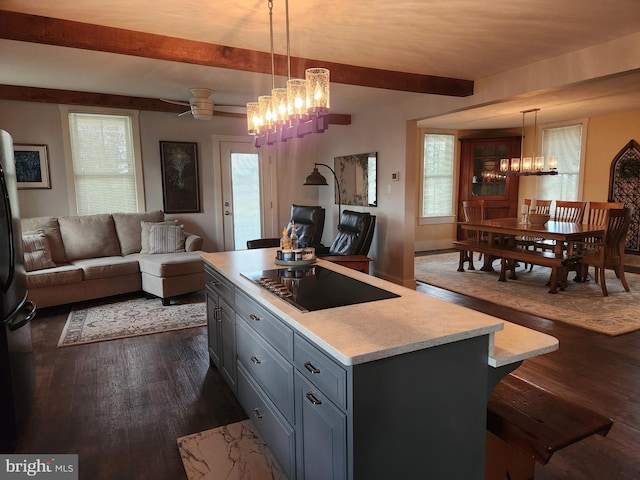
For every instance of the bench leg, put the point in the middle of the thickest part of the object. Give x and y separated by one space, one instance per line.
503 461
465 256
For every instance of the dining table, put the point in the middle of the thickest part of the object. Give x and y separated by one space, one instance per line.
559 237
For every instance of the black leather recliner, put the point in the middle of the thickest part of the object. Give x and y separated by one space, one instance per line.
309 227
309 224
355 234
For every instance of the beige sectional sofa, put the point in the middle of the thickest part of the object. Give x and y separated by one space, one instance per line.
75 258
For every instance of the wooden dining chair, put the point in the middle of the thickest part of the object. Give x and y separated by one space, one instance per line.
598 211
542 206
530 242
567 211
473 210
609 251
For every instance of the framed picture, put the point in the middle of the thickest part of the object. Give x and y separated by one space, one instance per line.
180 185
32 166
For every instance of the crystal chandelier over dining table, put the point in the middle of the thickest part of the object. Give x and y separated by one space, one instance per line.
295 111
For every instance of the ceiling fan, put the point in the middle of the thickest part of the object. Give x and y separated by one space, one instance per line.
202 106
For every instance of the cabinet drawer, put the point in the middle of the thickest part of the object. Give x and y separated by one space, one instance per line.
268 368
275 332
277 433
319 369
218 284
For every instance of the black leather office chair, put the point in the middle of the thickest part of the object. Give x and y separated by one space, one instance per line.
355 234
309 227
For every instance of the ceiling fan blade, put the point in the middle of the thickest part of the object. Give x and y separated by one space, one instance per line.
231 109
184 113
175 102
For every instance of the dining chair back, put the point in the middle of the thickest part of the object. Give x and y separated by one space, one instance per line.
542 206
609 252
473 210
567 211
598 211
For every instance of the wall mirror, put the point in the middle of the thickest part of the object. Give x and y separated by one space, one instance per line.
357 176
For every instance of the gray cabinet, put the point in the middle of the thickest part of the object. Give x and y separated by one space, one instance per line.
221 325
322 434
413 415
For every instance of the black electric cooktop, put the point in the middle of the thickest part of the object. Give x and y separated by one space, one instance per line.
313 287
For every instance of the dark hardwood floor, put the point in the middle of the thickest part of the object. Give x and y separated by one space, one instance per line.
122 404
595 370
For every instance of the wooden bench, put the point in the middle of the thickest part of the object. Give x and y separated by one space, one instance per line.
527 424
510 256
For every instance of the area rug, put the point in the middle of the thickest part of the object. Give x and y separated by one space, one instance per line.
231 452
581 304
130 317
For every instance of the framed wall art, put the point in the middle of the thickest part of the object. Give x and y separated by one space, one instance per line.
32 166
180 185
357 175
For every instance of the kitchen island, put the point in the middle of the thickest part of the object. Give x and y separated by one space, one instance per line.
390 388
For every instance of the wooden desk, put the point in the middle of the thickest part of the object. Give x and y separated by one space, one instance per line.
355 262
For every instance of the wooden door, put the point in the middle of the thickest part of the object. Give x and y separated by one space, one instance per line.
480 176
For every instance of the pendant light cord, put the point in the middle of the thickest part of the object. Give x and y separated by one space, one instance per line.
273 70
286 3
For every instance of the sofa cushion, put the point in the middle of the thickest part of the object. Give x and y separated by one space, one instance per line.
171 264
145 229
36 251
129 229
107 267
61 275
52 231
89 236
166 239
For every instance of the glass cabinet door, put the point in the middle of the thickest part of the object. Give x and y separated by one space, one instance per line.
487 180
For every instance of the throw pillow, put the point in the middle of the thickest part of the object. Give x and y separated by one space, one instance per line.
36 251
129 229
166 239
50 227
146 229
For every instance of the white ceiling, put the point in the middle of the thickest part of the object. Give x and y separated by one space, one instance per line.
454 38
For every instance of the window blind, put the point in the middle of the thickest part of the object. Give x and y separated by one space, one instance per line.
437 179
103 163
565 143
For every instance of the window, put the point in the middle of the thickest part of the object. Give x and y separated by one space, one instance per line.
564 142
437 175
105 164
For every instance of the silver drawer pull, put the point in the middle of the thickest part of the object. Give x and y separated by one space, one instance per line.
313 399
309 366
256 360
254 317
257 413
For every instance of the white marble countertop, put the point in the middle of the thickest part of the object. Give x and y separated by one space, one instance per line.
369 331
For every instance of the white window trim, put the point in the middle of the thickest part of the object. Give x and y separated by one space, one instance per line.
583 147
446 219
65 110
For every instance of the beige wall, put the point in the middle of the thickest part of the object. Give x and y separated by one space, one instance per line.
606 136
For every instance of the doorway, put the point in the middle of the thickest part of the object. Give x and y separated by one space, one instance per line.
247 206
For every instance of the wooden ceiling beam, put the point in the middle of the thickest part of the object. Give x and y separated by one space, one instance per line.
71 97
52 31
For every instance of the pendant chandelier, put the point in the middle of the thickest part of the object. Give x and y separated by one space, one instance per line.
295 111
534 165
